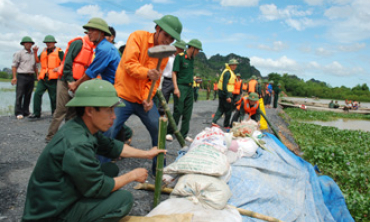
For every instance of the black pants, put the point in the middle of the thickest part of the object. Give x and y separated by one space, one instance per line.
25 84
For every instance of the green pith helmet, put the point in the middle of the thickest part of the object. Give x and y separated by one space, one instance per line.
279 84
27 39
253 96
170 24
195 43
238 75
95 93
233 62
271 82
253 77
180 44
99 24
49 38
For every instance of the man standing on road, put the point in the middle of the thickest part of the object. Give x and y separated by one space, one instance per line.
50 59
238 90
24 69
135 74
183 73
68 183
225 88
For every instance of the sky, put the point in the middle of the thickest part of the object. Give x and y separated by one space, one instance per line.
327 40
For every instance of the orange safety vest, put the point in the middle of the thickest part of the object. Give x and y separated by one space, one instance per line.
245 86
250 110
49 63
237 86
84 58
215 86
252 85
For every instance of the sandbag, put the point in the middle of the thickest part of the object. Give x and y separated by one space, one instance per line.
214 136
200 214
244 127
247 146
201 159
188 217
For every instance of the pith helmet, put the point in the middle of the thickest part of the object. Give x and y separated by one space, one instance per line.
96 93
99 24
271 81
196 44
49 38
180 44
233 62
253 77
253 97
170 24
238 74
27 39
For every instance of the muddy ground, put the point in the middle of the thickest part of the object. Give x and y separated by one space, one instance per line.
22 141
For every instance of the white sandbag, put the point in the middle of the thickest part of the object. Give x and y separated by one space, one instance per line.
170 180
201 159
244 127
209 191
182 205
232 156
257 135
248 146
226 177
214 136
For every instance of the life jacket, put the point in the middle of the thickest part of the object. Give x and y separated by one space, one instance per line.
237 86
84 58
215 86
231 83
247 108
245 86
252 85
49 63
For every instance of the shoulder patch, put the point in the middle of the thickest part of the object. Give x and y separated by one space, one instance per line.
181 54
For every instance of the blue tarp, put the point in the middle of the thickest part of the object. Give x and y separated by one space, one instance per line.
283 185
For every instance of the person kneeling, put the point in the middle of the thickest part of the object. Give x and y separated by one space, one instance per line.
68 183
247 105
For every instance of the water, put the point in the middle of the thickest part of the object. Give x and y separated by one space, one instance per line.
349 124
322 101
7 100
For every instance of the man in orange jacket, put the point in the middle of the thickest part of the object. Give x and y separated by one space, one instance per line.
50 60
135 74
248 105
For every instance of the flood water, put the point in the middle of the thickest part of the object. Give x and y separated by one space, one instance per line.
349 124
7 100
301 100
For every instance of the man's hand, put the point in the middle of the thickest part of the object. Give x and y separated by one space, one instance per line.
140 174
228 100
153 152
72 86
176 92
35 49
14 81
153 74
147 106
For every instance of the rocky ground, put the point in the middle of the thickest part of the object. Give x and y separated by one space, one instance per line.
22 141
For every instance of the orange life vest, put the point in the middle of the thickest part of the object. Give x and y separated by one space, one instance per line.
245 86
252 85
250 110
84 58
237 86
215 86
49 63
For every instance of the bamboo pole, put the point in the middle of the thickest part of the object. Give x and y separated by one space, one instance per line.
171 120
249 213
160 159
272 127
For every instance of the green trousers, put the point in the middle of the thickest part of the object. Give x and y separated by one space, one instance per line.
42 85
223 108
276 99
183 106
117 205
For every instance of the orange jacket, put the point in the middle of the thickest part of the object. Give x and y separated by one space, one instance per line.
132 83
252 85
215 86
245 86
237 86
49 63
83 59
250 110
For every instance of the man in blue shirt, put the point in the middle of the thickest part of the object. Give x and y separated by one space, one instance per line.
106 58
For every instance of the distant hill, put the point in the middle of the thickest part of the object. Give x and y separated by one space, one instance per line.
212 68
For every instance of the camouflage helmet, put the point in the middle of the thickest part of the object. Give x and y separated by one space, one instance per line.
26 39
233 62
49 38
180 44
253 96
95 93
195 43
99 24
170 24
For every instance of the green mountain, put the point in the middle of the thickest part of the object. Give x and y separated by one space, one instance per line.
212 68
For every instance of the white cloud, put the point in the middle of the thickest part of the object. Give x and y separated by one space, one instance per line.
245 3
323 52
147 11
277 46
337 69
352 48
90 11
339 12
314 2
118 18
162 1
283 64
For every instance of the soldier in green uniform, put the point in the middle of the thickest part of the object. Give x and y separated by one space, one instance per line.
68 183
183 73
225 89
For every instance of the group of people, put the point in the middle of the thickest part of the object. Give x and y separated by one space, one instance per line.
97 90
348 105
